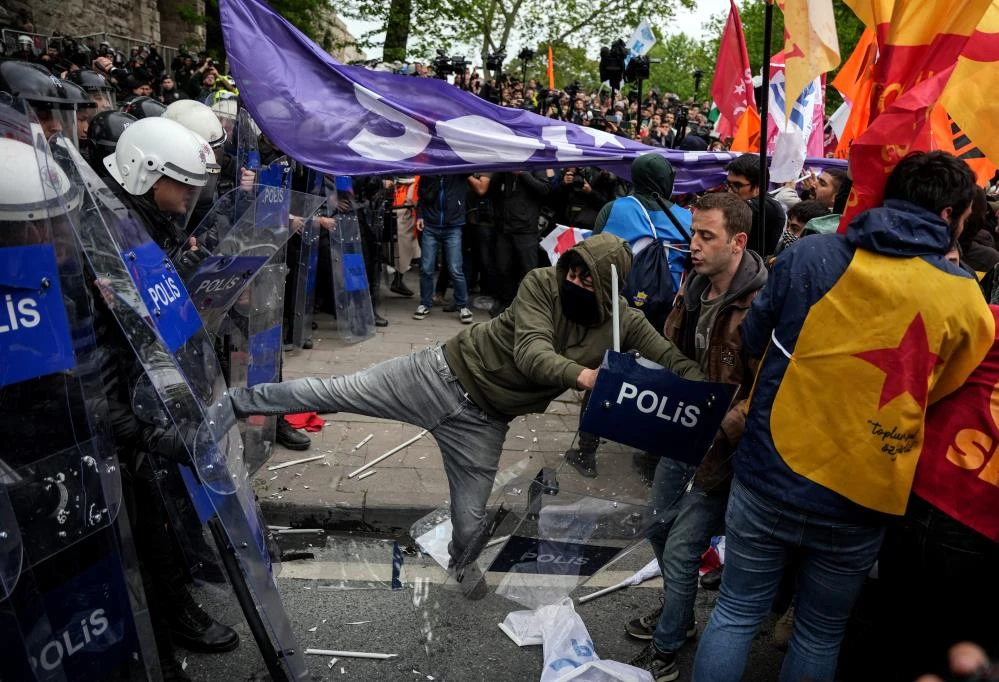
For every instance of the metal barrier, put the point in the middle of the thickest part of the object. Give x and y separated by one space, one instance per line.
9 38
124 44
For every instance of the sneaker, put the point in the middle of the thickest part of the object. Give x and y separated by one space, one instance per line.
645 626
662 664
784 628
583 461
421 312
465 315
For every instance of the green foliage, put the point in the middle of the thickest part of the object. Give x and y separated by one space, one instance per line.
680 56
189 15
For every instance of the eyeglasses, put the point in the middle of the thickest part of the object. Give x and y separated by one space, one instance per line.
736 186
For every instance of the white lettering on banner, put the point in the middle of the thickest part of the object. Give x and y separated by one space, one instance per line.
564 150
17 314
53 652
477 139
165 292
649 401
209 286
384 148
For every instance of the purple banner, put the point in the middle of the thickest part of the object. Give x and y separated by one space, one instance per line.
347 120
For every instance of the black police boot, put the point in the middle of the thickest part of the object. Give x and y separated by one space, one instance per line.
195 630
398 286
291 438
380 321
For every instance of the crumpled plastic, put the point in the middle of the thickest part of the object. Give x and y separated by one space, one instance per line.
568 650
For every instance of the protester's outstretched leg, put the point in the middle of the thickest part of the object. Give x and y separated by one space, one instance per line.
408 389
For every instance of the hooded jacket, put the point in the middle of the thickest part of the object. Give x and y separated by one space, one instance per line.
858 333
727 360
442 200
520 361
651 175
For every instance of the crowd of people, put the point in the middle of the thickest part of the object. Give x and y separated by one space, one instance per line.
782 306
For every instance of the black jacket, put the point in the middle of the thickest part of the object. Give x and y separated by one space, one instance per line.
520 197
441 200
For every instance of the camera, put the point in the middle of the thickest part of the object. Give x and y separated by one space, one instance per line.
494 61
442 65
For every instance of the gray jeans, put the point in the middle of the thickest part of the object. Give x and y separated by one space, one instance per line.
419 389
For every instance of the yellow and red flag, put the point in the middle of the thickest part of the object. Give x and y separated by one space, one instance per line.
919 44
811 47
551 69
970 99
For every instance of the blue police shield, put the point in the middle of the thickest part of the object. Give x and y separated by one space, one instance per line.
639 403
189 395
71 599
355 317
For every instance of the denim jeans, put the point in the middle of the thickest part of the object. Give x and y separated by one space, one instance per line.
430 241
419 389
682 525
833 557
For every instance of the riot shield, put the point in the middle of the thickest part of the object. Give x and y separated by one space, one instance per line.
190 397
247 155
355 317
71 598
306 264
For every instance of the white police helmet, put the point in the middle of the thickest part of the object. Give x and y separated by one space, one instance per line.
198 117
152 148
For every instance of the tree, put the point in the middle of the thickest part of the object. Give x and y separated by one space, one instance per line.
397 30
492 24
305 15
680 55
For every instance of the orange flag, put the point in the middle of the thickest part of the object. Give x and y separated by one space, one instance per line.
950 137
747 135
551 69
854 81
919 45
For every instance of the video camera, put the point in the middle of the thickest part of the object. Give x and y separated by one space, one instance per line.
494 60
612 63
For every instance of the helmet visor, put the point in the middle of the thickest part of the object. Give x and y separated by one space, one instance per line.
54 121
106 100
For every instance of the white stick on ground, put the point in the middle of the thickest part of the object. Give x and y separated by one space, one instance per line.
294 462
388 454
348 654
366 474
361 444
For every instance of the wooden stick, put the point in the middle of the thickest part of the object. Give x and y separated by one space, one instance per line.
388 454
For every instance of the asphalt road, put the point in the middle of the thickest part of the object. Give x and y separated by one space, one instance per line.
344 601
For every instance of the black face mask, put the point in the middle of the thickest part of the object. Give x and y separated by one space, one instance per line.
579 304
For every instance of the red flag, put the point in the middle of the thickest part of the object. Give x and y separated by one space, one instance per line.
732 89
958 470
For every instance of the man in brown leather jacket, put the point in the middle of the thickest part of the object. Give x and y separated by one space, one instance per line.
689 506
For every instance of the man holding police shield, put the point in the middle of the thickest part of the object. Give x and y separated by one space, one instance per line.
689 502
552 338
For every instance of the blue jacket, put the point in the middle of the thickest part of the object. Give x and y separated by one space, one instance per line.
442 200
858 334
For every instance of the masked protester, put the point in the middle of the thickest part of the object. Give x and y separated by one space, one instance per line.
465 392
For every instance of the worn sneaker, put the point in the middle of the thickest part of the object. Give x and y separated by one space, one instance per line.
465 315
783 629
421 312
645 626
662 664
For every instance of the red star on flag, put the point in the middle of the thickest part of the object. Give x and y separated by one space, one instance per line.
907 367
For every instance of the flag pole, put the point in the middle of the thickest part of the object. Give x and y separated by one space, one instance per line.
768 29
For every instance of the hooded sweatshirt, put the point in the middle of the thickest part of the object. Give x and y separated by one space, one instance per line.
858 333
651 175
520 361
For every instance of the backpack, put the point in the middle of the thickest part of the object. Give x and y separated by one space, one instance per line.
649 285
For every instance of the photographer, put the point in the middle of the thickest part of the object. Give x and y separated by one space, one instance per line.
201 84
574 202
